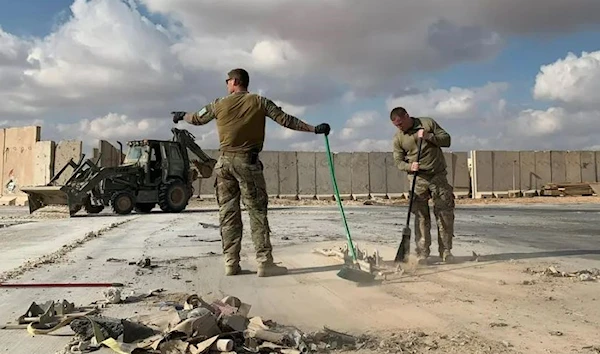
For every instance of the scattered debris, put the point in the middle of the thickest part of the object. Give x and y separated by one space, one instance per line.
208 226
116 260
583 275
498 324
556 333
528 282
112 295
187 236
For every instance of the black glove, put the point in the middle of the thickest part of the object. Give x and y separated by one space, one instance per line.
177 116
322 128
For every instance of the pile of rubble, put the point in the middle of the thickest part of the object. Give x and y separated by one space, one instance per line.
190 326
583 275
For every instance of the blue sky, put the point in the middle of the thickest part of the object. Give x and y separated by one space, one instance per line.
527 44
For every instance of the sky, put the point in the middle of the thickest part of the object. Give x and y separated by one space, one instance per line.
496 75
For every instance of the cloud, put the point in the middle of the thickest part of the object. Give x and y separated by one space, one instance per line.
573 81
452 103
107 69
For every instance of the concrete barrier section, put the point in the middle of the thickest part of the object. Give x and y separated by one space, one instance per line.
288 175
65 151
110 155
588 166
322 176
559 167
598 166
43 162
360 175
462 179
573 166
270 160
377 175
307 175
543 168
506 173
342 163
483 178
396 180
527 168
19 157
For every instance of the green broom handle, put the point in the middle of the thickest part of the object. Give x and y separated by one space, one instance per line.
339 200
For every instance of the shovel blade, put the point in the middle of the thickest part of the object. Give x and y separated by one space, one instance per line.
356 275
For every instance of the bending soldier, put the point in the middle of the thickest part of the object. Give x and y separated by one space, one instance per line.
431 179
240 118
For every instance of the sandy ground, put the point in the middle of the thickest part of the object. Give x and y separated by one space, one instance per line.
499 301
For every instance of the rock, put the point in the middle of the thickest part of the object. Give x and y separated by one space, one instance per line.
501 282
585 277
112 295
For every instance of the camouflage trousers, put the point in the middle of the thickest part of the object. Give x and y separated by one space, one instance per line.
437 188
238 178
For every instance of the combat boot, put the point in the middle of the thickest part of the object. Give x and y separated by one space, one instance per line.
447 257
233 270
271 269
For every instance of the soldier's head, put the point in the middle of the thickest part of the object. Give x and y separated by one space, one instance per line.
237 80
401 119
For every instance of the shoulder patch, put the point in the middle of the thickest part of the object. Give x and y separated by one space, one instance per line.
202 112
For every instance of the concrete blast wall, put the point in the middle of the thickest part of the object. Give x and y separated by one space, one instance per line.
502 173
359 175
28 161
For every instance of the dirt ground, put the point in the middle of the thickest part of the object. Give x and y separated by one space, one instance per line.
500 296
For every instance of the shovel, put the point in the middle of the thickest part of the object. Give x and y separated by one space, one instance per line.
353 272
404 248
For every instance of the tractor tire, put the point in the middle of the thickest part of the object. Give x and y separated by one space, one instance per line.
144 208
122 203
173 196
92 209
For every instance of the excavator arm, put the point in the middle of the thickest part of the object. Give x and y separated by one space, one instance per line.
206 164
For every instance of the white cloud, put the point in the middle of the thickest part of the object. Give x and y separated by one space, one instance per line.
453 103
108 72
572 80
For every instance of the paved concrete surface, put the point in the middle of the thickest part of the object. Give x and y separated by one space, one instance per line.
442 298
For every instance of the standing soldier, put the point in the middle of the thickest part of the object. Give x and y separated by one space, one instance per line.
240 118
431 179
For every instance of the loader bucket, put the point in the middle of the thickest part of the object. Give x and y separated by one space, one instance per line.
43 196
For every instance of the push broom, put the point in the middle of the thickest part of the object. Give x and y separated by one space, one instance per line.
348 272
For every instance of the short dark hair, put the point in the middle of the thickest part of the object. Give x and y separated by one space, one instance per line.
241 76
398 111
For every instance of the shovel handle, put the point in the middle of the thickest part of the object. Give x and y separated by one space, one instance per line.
61 285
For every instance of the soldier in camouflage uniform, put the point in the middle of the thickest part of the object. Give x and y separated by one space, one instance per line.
240 118
431 183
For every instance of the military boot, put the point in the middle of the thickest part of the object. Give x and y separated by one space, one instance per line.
270 270
447 257
233 270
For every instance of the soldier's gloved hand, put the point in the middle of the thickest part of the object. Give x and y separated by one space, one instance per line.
177 116
322 128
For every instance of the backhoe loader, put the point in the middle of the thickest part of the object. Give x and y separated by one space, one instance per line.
152 172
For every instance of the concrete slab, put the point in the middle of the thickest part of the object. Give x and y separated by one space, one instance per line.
206 186
396 181
528 176
559 167
288 175
377 174
483 173
342 163
573 164
44 162
66 150
270 160
543 169
588 166
19 159
359 175
323 177
462 179
110 154
307 175
507 172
